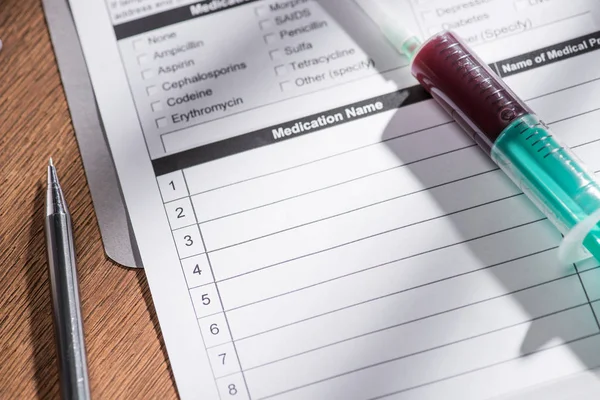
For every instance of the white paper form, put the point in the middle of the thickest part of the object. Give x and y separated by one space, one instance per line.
313 226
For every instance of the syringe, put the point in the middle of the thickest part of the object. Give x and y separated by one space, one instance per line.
516 139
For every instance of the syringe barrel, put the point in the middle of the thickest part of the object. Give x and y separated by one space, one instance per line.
467 88
551 176
548 172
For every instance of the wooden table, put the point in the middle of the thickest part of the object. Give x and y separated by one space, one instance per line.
126 355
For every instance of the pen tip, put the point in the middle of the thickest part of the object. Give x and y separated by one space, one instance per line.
52 177
55 201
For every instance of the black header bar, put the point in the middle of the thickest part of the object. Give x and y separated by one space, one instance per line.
289 130
548 55
170 17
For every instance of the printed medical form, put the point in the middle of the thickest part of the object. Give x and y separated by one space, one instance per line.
314 226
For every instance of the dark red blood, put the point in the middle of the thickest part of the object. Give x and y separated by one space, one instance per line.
467 88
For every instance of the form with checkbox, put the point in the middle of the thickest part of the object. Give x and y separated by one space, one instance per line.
314 226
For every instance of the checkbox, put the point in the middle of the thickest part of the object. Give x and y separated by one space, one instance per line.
156 106
261 11
139 44
161 122
275 54
285 86
265 24
152 90
281 70
147 74
143 59
270 38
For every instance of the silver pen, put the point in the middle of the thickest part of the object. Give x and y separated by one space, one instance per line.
68 325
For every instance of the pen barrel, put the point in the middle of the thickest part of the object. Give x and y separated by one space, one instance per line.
67 312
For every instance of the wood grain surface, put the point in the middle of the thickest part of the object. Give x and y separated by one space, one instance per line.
126 355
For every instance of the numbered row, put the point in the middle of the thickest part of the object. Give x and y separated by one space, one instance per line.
172 186
189 241
180 213
206 300
224 360
233 387
197 271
